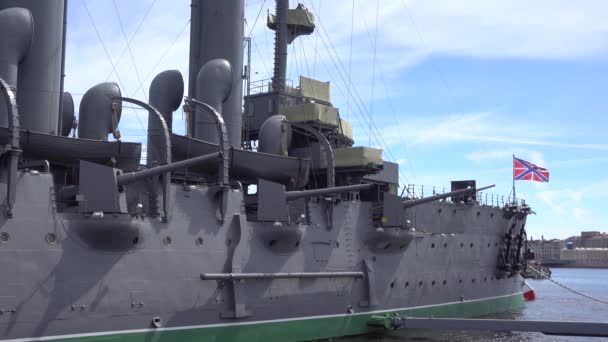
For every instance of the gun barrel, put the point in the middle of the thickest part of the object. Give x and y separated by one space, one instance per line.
411 203
290 195
138 175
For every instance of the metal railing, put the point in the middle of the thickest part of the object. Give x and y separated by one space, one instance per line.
483 198
265 86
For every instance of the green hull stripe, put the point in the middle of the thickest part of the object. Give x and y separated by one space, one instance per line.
301 329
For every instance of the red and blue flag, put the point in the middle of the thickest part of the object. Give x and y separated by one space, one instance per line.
524 170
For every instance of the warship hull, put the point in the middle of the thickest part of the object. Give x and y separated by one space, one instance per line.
118 277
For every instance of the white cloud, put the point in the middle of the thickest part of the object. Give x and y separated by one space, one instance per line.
486 156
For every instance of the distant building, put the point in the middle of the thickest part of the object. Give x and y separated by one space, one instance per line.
585 257
590 239
590 249
546 250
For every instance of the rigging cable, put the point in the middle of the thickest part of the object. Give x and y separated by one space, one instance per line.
143 19
257 49
350 57
109 58
543 275
163 55
256 18
314 62
389 99
359 104
371 110
122 28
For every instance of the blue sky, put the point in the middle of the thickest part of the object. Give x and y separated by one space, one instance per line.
458 87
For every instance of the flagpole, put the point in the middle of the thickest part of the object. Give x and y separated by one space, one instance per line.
514 198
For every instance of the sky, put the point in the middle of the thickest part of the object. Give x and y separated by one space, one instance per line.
452 89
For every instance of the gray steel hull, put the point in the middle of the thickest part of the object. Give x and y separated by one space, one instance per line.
119 272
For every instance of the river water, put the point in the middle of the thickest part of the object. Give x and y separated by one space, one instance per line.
552 303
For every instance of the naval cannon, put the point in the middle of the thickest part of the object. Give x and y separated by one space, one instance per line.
100 186
392 234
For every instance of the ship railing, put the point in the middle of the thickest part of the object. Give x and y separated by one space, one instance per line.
415 191
265 86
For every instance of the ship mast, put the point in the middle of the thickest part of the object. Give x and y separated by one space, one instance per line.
280 46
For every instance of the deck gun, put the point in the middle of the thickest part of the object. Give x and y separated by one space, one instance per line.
393 205
99 187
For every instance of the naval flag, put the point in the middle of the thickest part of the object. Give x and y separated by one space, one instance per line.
524 170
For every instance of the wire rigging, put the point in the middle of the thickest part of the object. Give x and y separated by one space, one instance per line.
358 99
143 19
350 57
256 18
164 54
122 28
314 63
388 97
109 58
371 106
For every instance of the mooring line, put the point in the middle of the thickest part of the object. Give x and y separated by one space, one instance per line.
543 275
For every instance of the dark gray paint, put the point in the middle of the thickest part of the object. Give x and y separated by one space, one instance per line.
16 35
82 256
275 136
107 280
216 32
97 109
166 92
67 114
214 84
39 93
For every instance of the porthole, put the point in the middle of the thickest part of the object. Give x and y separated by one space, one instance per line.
167 241
51 238
228 242
461 245
337 244
433 283
444 282
491 214
459 281
489 244
485 278
135 240
478 213
420 283
407 283
199 241
471 245
445 245
473 280
392 284
432 245
495 244
4 237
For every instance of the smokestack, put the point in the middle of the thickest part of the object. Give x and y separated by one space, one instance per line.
216 32
16 32
40 79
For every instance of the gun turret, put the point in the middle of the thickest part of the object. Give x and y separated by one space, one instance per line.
410 203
